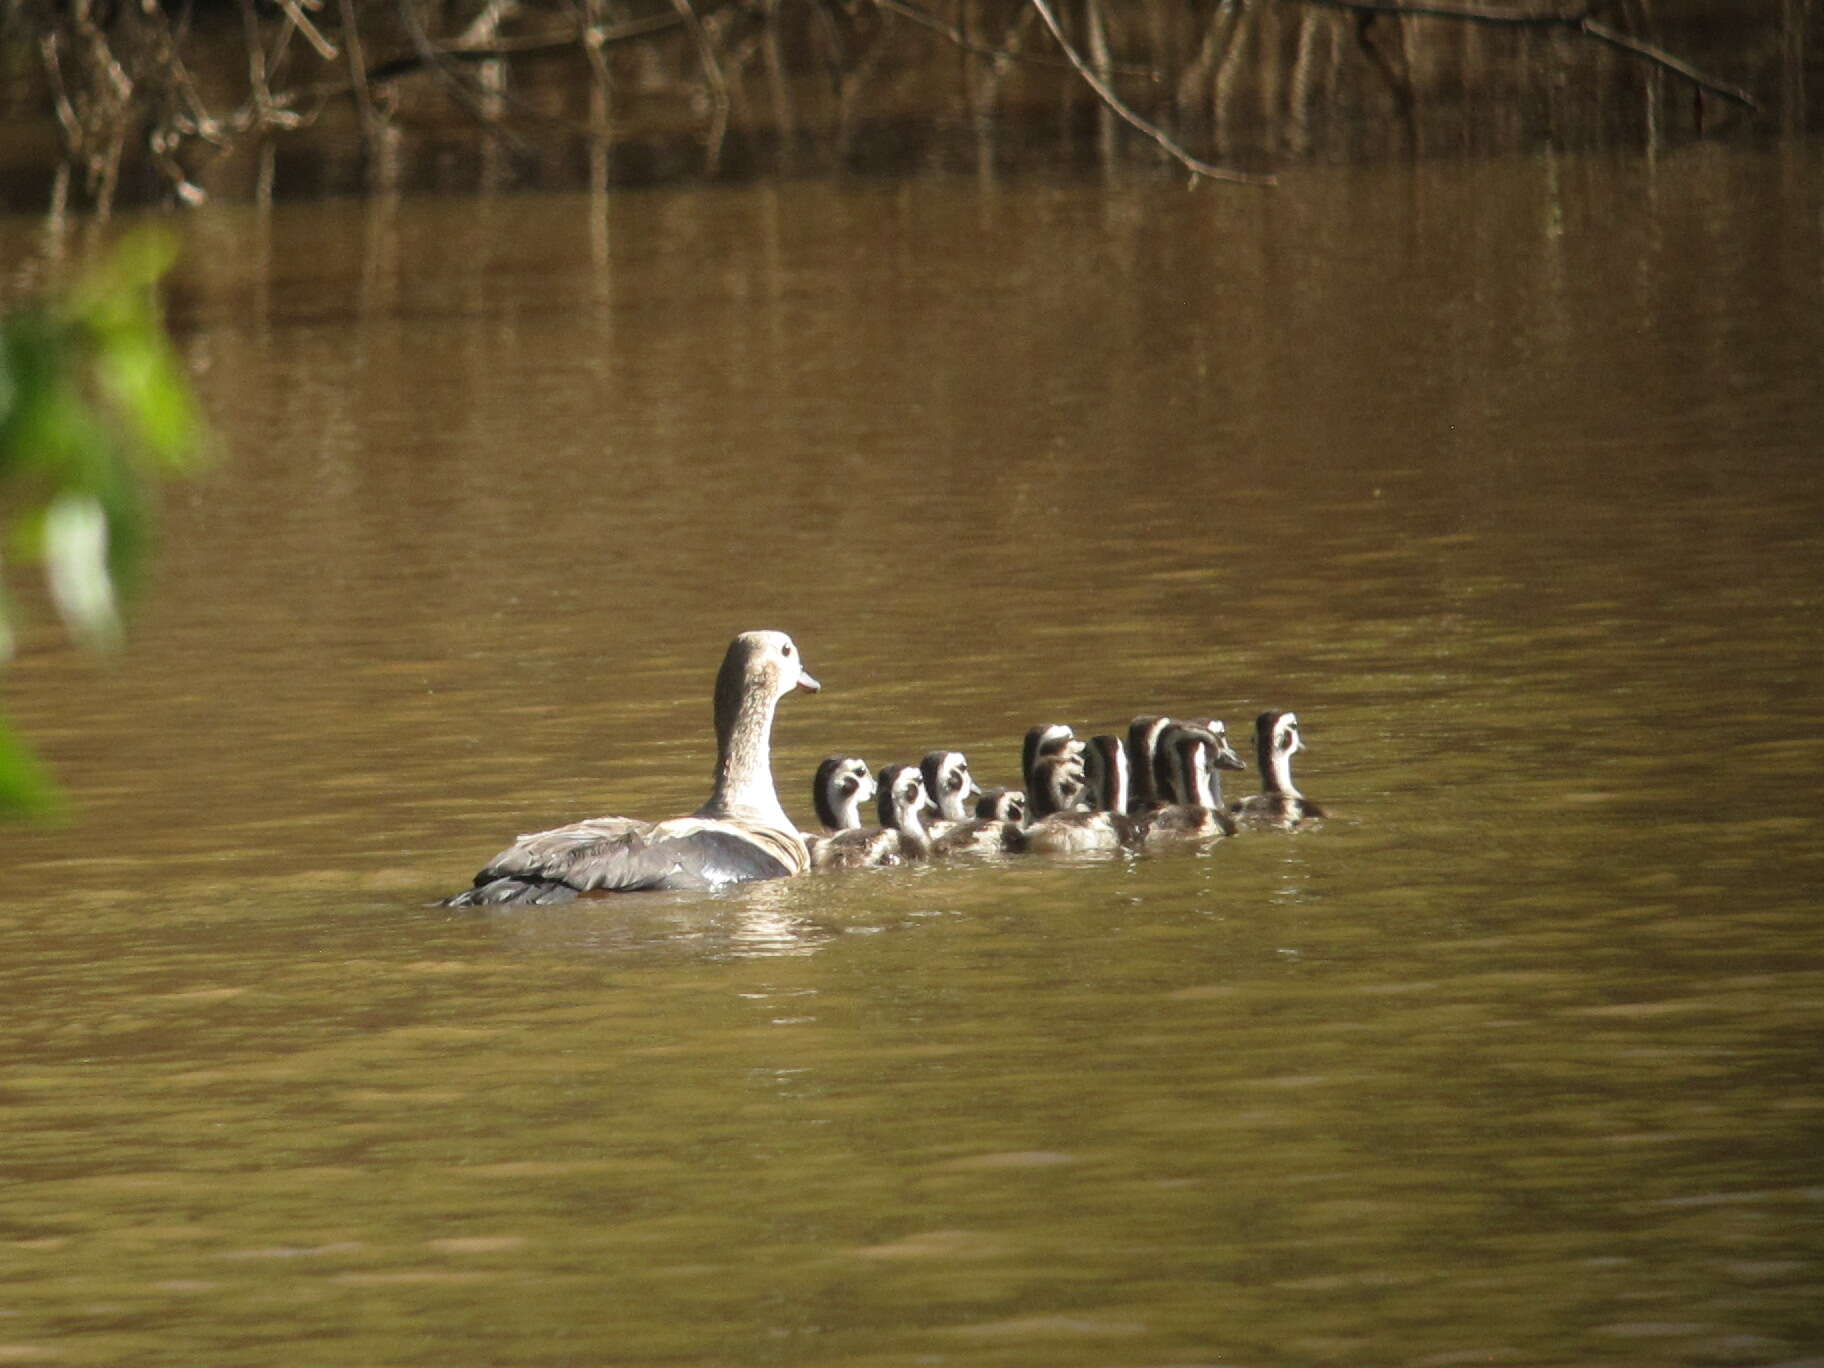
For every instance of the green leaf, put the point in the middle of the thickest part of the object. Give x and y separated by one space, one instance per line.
25 789
93 400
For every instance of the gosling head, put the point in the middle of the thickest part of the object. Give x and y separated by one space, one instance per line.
901 798
1222 754
949 784
1048 738
1276 740
1002 805
1057 785
842 785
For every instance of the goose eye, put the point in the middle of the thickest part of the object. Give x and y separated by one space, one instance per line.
786 649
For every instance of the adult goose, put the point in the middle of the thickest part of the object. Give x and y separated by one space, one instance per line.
740 834
1276 740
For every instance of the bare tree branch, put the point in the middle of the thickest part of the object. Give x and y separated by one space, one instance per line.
1106 94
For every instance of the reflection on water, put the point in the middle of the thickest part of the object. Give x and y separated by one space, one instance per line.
1501 476
748 921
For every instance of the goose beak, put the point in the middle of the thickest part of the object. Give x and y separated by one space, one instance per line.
808 684
1225 757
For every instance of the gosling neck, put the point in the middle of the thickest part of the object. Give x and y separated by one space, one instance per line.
1115 778
912 833
838 814
1052 790
1275 764
848 812
1195 773
901 808
1142 746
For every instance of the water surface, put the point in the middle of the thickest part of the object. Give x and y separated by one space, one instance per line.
1504 476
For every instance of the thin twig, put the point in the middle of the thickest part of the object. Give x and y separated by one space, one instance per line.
591 37
1577 21
1659 57
429 55
256 64
357 75
325 49
60 96
712 76
1114 102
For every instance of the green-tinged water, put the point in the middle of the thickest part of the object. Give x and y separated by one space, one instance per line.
1504 477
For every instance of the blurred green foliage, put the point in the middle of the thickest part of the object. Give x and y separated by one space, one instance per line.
94 405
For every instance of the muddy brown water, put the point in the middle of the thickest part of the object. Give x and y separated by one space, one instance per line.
1504 476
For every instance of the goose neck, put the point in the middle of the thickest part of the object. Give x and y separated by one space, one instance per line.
744 766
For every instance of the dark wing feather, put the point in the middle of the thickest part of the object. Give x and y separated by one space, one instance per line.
621 855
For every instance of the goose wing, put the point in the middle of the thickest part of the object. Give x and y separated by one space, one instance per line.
622 855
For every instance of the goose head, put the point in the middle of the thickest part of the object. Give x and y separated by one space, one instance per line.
760 665
1276 740
1002 805
949 784
842 785
901 799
